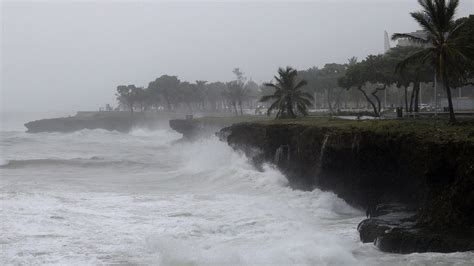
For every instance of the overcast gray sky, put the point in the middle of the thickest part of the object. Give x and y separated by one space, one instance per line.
72 55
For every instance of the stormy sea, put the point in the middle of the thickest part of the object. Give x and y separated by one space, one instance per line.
145 197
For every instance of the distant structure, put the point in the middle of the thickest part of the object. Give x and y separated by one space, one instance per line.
406 42
386 43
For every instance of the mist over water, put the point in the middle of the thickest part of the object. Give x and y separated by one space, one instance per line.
14 120
100 197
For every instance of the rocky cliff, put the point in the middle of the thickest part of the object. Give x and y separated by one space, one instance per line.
424 183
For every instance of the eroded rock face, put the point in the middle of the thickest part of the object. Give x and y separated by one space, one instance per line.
369 168
394 228
423 240
190 128
386 218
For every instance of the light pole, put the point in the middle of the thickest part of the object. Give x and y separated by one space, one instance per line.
436 94
314 100
420 101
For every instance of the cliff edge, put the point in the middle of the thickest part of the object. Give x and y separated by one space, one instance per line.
414 179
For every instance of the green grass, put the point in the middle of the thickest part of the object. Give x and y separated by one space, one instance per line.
229 120
430 129
424 128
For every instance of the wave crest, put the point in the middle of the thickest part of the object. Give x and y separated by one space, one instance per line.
76 162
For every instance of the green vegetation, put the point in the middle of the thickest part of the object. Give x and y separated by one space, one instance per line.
398 78
324 82
288 95
236 91
377 72
229 120
444 46
428 129
168 93
129 95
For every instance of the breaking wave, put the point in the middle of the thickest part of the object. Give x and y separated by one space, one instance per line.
143 198
77 162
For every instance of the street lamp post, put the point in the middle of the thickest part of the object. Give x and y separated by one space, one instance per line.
436 94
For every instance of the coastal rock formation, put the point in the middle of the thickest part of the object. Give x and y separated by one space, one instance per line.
190 128
70 124
426 182
118 121
195 128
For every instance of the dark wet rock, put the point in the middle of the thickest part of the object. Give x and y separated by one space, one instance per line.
386 218
395 229
190 128
194 128
421 240
431 181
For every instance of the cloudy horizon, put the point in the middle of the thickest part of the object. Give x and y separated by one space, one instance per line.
72 55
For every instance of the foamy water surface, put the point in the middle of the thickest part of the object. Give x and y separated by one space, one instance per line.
100 197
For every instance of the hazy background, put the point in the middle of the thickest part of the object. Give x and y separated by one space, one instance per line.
70 55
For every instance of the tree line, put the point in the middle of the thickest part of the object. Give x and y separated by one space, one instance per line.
171 94
445 54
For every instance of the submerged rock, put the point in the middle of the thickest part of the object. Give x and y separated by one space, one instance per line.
190 128
386 218
394 228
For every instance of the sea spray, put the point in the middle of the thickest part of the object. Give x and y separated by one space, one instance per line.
195 203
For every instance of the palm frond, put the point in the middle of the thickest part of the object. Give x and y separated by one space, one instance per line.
424 20
303 101
412 38
456 29
302 109
273 106
451 9
300 84
307 95
417 57
266 98
272 86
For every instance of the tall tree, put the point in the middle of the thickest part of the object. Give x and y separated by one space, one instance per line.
234 94
214 95
414 73
129 95
372 73
236 91
199 93
288 98
442 46
167 87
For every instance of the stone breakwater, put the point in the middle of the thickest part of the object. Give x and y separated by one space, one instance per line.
418 193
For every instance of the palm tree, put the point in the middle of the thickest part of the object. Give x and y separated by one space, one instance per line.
288 95
442 45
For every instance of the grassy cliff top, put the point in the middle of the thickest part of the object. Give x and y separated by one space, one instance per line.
429 129
229 120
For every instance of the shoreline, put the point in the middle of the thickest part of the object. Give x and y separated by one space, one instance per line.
415 181
414 178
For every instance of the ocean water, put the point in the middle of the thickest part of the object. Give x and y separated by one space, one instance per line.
96 197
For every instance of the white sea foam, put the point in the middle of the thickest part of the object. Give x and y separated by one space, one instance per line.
99 197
